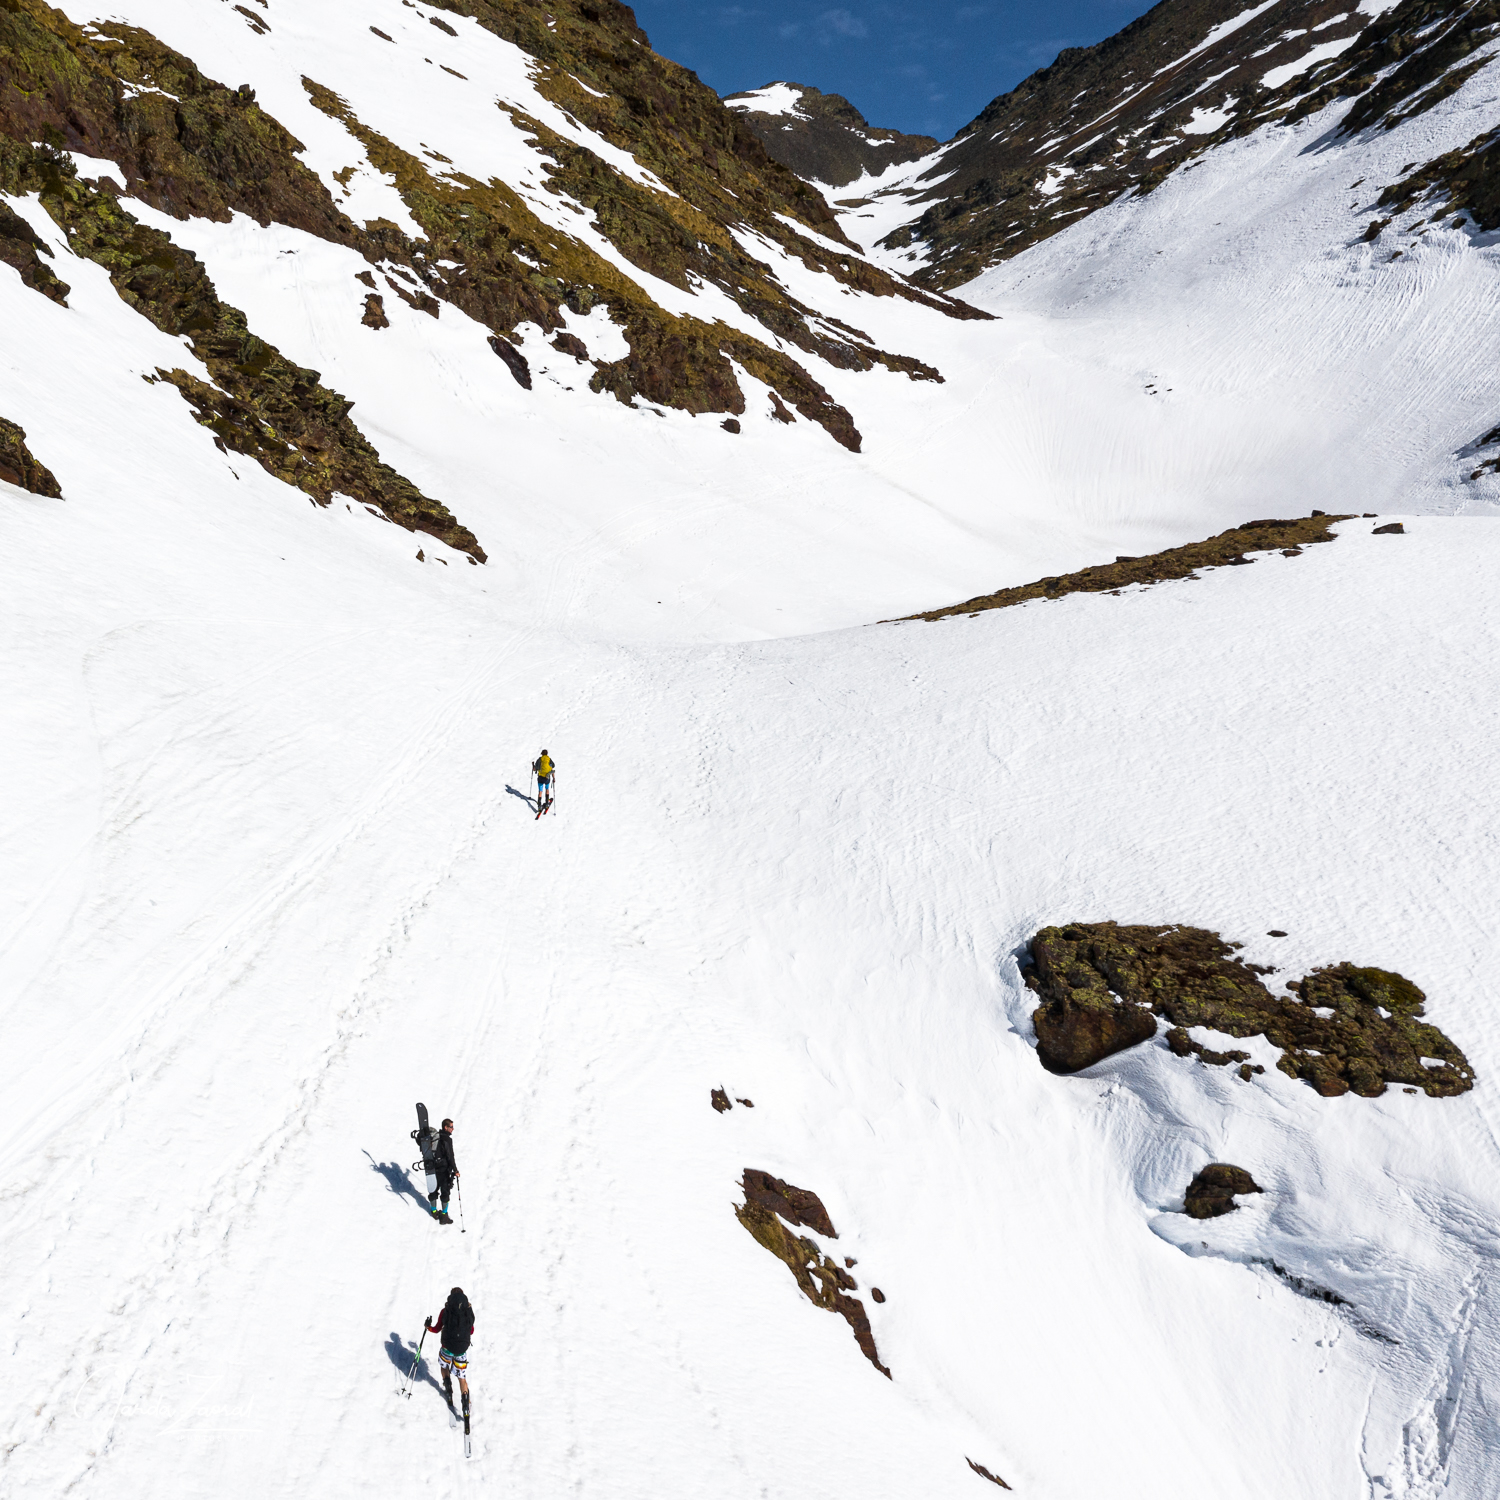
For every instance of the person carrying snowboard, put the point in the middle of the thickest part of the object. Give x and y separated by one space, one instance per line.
544 769
456 1325
446 1170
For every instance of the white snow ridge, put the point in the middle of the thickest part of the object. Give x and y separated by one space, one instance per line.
273 872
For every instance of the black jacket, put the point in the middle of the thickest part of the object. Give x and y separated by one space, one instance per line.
446 1165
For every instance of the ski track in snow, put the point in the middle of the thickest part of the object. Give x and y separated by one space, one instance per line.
268 883
798 868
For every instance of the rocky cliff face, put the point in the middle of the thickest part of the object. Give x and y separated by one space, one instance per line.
1119 117
822 137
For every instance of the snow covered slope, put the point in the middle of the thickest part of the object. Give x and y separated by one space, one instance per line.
1122 116
271 874
273 878
1227 345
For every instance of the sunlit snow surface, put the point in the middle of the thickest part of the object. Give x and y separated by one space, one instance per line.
270 876
774 99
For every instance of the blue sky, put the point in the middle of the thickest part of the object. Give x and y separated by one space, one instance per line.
924 68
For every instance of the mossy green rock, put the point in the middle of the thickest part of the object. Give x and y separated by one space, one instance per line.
1344 1028
20 468
21 248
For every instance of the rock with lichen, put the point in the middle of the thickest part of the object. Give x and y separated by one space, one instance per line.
770 1207
21 248
1213 1190
20 468
1342 1028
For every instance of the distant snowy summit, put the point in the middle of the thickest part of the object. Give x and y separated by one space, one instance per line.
822 137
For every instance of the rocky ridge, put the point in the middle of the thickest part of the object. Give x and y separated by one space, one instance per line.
1120 116
822 137
1229 549
191 146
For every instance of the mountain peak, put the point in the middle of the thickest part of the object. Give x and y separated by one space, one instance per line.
822 137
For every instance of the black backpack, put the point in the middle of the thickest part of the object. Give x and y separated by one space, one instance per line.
458 1325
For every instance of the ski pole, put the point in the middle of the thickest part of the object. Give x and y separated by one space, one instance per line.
458 1183
416 1364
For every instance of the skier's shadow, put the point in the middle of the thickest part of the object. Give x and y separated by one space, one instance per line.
524 796
398 1182
403 1354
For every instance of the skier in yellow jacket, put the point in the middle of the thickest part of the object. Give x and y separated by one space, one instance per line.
544 770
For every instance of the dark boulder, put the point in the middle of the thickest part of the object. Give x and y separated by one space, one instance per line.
1213 1191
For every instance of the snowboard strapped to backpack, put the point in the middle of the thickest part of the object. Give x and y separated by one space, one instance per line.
426 1138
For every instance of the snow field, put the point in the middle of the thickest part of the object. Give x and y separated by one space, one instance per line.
280 890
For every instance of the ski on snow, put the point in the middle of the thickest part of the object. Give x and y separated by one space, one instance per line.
453 1422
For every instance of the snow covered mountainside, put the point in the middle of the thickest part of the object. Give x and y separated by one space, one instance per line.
386 394
1120 117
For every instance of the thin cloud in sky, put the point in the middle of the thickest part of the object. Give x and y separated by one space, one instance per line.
844 23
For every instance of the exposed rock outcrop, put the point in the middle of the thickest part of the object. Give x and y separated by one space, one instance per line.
769 1201
1342 1028
1228 549
189 145
21 248
1213 1190
20 468
1484 453
984 1473
256 402
1466 181
186 144
795 1205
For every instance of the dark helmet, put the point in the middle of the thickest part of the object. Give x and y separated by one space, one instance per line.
544 752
